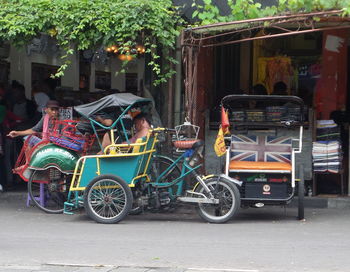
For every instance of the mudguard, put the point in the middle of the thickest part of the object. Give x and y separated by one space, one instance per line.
222 176
51 155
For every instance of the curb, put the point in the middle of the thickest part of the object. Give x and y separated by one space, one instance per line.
309 202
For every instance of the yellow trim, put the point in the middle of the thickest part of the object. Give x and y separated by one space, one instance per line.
80 161
98 166
152 148
112 135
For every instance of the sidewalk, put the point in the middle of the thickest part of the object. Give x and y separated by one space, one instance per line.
318 202
97 268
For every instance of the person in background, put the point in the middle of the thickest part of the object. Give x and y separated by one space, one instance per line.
259 89
3 181
40 98
280 88
23 107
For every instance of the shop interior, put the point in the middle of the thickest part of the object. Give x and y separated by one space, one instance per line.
314 67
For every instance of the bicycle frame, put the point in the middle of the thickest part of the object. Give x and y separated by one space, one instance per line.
186 169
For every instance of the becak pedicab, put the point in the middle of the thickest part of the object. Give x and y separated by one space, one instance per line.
262 148
132 177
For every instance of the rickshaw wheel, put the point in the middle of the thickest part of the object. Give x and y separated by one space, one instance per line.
50 194
229 201
107 199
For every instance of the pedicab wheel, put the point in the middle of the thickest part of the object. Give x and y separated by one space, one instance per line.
301 194
48 189
107 199
229 201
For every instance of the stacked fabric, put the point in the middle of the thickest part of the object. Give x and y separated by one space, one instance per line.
326 154
327 130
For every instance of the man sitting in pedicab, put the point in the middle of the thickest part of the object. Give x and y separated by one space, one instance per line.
51 114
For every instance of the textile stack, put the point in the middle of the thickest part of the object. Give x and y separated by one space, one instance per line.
326 151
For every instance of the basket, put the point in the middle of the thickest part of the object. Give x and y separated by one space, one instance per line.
186 136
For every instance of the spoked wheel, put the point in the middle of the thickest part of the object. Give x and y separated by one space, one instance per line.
229 200
107 199
48 189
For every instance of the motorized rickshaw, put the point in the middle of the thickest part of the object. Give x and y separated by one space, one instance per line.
127 177
265 137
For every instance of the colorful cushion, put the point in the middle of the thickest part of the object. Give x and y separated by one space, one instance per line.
252 165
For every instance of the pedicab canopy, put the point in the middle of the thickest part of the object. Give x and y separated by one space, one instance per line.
125 101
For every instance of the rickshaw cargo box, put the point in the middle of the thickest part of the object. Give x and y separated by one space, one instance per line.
265 190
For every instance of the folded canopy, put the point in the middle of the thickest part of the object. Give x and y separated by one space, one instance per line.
123 100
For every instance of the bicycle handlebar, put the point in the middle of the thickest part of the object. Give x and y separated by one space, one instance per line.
159 129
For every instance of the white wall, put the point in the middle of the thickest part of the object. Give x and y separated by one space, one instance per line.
21 69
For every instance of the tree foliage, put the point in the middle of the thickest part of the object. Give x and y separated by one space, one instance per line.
208 13
89 24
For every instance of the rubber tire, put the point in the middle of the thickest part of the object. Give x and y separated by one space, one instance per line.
234 193
33 199
128 200
301 194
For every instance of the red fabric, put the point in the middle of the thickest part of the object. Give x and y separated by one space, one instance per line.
224 120
46 127
331 86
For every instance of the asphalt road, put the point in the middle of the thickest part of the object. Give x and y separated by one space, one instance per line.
267 239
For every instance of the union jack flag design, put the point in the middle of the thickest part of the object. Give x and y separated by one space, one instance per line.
261 148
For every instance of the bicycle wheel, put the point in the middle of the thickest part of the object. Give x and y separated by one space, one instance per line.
229 200
50 195
159 165
107 199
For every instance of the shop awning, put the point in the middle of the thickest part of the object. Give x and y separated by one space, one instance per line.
268 27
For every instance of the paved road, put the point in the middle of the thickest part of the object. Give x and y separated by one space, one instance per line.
258 240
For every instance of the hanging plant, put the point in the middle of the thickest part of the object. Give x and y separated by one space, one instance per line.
208 13
90 24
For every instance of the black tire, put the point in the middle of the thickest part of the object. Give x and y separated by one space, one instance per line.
301 194
113 201
54 192
229 200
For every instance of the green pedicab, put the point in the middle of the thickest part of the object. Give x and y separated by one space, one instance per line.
132 177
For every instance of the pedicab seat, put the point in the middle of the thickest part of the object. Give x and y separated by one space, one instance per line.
258 165
185 144
73 144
